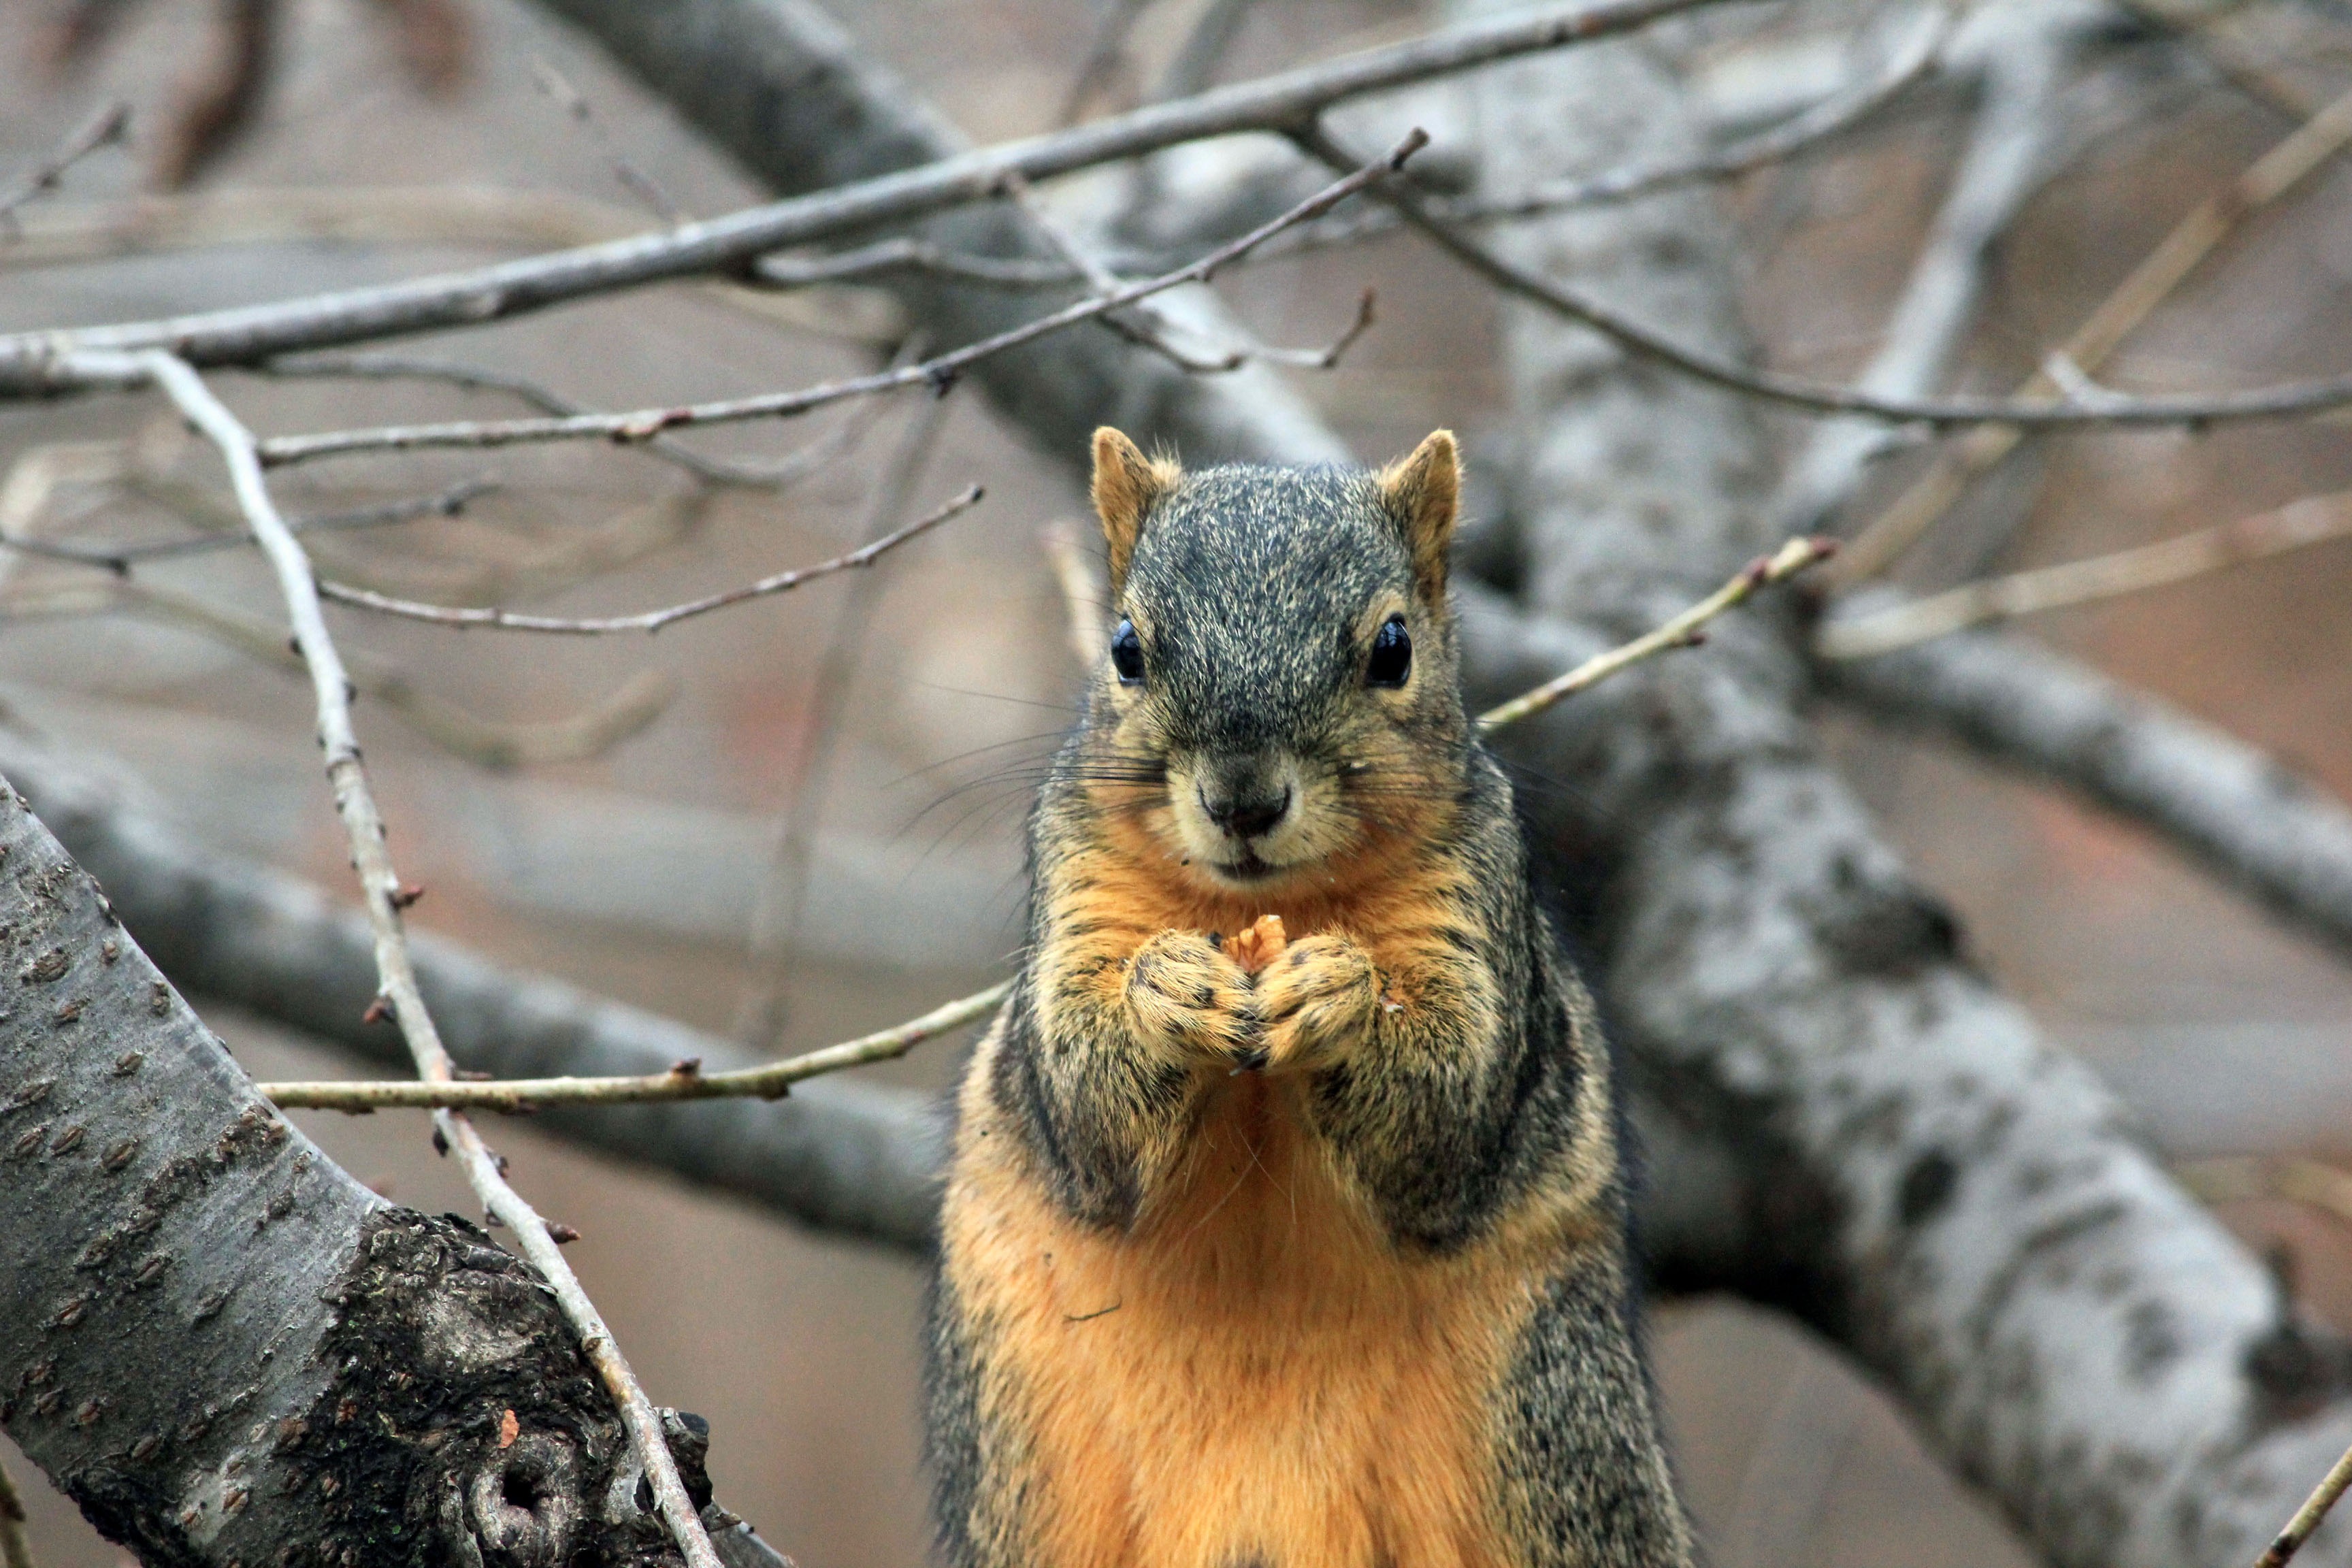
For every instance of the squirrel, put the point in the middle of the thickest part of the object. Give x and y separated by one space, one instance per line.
1285 1224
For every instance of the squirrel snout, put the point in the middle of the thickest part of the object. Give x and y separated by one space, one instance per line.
1248 813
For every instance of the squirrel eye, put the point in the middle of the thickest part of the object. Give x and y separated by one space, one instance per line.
1127 654
1392 660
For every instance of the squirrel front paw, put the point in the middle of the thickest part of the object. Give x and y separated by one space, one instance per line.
1185 996
1317 999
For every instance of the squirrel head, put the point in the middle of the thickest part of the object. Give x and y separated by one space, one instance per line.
1282 692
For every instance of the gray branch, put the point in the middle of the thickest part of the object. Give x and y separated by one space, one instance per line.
1961 1205
845 1157
2282 840
222 1347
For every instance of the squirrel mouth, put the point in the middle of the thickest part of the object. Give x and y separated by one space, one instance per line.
1248 869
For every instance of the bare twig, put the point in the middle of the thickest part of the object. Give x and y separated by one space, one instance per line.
1682 631
684 1081
1147 329
780 475
2008 154
578 737
2279 401
903 253
32 363
2307 1519
1912 59
103 128
637 424
386 896
1105 58
1894 530
2311 520
776 915
15 1545
120 558
647 620
557 87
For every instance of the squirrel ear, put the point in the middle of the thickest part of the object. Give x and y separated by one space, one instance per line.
1423 491
1126 484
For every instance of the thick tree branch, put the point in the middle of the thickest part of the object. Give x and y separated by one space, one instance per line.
385 898
849 1158
217 1344
1953 1201
2282 840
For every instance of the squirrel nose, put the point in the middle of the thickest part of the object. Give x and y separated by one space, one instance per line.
1247 815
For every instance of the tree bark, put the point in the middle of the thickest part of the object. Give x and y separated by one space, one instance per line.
1961 1205
219 1345
845 1157
2276 837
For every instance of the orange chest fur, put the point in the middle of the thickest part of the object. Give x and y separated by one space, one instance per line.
1252 1373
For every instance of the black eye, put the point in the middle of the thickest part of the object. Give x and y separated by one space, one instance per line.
1127 654
1392 658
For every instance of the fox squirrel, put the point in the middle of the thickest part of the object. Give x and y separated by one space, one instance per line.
1287 1242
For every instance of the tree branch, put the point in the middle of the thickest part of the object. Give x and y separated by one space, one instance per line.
217 1344
849 1158
938 372
2279 838
30 361
2183 249
104 126
1925 1180
2314 519
651 621
386 896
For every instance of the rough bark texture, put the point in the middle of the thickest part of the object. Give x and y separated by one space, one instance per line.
1958 1203
2279 838
218 1344
847 1157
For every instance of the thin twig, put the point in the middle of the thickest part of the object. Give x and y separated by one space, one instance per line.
776 914
902 253
637 424
120 558
105 126
2278 401
2314 519
34 364
644 620
556 85
684 1081
2019 113
1148 328
386 896
1682 631
1105 58
2307 1519
577 737
1831 117
15 1542
1902 524
780 475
